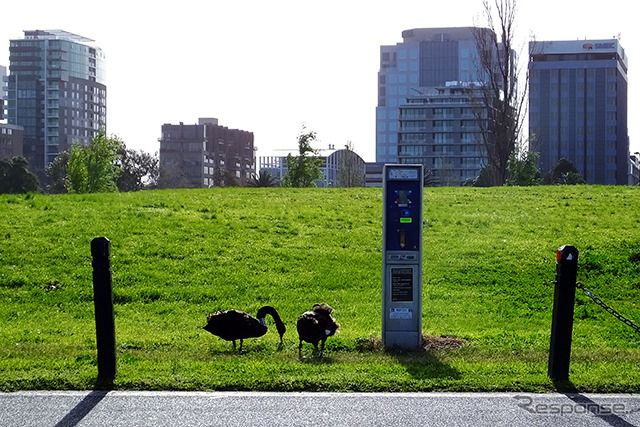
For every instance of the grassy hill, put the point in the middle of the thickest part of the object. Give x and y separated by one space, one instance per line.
177 255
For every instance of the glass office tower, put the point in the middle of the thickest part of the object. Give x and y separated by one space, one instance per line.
578 107
426 58
56 92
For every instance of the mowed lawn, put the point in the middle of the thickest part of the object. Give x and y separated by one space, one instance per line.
177 255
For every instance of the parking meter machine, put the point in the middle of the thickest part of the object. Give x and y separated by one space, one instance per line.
402 256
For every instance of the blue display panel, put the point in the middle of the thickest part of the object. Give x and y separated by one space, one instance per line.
403 215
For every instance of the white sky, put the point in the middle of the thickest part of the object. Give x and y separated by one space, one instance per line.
271 66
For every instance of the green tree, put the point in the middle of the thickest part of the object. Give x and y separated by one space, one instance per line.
223 177
93 168
139 170
522 167
303 170
15 176
262 179
485 178
172 176
564 172
57 173
77 175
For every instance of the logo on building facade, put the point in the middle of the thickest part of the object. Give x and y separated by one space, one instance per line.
591 46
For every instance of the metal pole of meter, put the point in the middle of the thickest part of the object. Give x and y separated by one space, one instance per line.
402 256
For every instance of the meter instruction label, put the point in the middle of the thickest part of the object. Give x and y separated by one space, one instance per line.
402 284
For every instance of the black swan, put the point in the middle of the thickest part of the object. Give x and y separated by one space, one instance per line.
232 325
315 326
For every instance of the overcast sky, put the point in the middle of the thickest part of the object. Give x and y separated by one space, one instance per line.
270 67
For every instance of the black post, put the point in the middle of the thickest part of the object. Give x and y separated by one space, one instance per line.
563 306
103 302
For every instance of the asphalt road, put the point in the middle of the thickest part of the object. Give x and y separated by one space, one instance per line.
129 408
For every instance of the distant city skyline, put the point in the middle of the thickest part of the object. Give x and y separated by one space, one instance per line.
313 65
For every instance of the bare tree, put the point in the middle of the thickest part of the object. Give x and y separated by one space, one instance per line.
350 167
502 101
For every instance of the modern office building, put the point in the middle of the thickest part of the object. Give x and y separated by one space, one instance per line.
578 107
206 154
426 59
56 91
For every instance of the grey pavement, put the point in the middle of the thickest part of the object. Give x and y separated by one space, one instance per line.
142 408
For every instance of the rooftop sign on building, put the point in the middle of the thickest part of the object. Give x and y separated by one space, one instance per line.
579 47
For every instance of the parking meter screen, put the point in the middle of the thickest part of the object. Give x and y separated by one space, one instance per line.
404 212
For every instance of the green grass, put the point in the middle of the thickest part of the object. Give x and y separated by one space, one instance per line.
177 255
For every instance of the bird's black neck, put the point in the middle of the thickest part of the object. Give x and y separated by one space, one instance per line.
267 309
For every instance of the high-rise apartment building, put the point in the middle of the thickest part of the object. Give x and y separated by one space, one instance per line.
427 58
578 107
205 155
439 129
56 91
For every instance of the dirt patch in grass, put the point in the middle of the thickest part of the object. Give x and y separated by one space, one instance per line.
430 342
